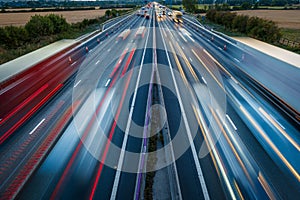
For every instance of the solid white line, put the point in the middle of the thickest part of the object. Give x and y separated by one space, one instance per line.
182 37
216 154
189 35
97 62
107 82
277 122
236 59
204 80
195 156
121 158
144 146
108 50
73 63
37 126
77 83
220 48
190 59
120 61
234 80
231 122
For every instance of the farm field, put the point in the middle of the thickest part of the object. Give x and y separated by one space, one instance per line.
284 18
20 19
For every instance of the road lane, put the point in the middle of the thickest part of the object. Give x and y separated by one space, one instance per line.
87 81
256 144
208 103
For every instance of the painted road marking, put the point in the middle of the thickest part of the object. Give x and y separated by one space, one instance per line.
36 126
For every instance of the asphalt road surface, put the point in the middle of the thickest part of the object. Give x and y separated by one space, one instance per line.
158 110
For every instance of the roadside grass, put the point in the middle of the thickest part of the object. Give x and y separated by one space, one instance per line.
291 34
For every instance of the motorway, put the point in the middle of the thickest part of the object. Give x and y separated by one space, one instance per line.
152 109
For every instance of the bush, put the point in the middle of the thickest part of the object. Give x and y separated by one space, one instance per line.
114 12
239 23
13 37
210 15
252 23
39 26
258 28
246 6
59 23
228 19
108 13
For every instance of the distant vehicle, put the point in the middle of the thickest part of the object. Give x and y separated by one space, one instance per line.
177 16
141 31
169 14
138 13
142 13
147 16
164 12
159 15
124 34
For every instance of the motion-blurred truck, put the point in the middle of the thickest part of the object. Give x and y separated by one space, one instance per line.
177 16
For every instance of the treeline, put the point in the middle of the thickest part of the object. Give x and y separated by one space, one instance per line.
255 27
38 26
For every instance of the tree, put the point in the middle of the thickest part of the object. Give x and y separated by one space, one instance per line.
114 12
13 37
239 23
211 15
108 13
59 23
246 6
225 7
228 18
189 5
39 26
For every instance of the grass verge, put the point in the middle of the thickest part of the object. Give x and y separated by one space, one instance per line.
290 34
